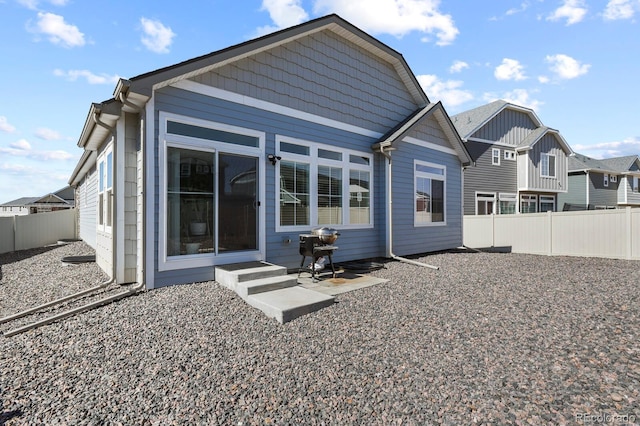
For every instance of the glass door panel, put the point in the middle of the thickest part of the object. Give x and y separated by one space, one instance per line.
237 203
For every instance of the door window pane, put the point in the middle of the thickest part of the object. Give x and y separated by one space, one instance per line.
190 190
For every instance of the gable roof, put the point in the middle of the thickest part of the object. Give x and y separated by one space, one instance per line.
58 197
132 94
533 137
469 122
580 162
398 132
145 83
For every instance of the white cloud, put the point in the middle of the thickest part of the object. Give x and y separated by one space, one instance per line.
565 67
543 79
629 146
523 6
33 4
448 92
21 144
458 66
48 134
283 13
157 37
620 9
510 69
22 148
5 126
573 11
520 97
59 31
73 75
395 17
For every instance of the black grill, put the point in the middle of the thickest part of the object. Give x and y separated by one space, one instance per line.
311 246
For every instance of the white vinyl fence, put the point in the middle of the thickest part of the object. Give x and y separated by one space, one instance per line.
36 230
594 233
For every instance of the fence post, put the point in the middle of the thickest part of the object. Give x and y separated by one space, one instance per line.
493 230
550 233
629 239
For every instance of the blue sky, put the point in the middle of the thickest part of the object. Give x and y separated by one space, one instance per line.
575 62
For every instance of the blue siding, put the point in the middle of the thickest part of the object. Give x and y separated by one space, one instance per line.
407 238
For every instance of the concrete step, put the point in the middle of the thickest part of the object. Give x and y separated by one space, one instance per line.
289 303
230 275
247 288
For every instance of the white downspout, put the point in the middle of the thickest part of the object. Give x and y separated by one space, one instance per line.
390 218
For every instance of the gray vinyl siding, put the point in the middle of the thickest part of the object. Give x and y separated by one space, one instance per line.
407 238
321 74
353 243
577 191
549 145
510 127
87 205
429 130
486 177
633 197
599 195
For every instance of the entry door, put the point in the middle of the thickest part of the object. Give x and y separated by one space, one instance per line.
238 203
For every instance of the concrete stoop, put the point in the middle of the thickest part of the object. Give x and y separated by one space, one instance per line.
268 287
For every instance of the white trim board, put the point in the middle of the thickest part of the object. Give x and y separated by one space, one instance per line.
226 95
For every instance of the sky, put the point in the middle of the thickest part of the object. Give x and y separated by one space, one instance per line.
576 63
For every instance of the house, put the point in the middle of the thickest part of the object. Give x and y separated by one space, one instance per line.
520 164
229 157
59 200
601 184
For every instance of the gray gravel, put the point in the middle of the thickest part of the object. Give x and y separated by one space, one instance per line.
489 338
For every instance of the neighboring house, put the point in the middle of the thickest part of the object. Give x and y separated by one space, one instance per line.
520 164
602 184
228 157
59 200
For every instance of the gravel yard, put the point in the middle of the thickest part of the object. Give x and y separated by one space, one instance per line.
489 338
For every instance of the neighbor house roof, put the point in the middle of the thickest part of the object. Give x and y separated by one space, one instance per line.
61 196
580 162
469 122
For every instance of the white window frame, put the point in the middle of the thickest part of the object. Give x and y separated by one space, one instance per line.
314 161
495 156
528 198
605 180
104 209
433 176
546 199
509 155
636 186
613 178
503 196
166 140
486 196
546 164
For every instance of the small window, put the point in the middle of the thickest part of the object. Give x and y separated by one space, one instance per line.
635 184
294 148
485 203
509 155
330 155
528 203
507 203
547 165
605 182
613 178
495 156
547 203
